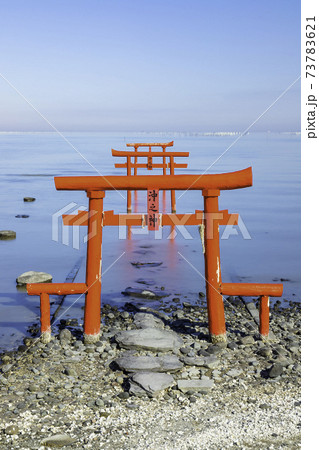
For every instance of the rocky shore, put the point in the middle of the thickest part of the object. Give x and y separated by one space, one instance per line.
154 380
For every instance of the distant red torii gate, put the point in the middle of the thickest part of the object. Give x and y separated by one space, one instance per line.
95 219
150 165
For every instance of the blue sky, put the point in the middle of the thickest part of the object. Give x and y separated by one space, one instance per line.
149 65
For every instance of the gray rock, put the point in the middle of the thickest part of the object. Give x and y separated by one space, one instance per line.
232 345
146 264
211 362
152 339
3 380
169 363
146 281
265 352
275 371
178 315
195 385
58 440
7 235
123 395
201 361
284 362
150 383
234 373
145 320
194 361
12 429
28 199
6 368
145 293
215 349
247 340
33 277
70 372
65 335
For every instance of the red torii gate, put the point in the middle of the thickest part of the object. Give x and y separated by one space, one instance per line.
150 165
95 219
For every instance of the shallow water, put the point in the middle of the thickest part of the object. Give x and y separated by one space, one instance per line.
270 212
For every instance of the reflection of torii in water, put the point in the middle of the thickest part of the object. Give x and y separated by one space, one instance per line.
95 219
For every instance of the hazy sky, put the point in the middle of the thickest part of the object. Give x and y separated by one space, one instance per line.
135 65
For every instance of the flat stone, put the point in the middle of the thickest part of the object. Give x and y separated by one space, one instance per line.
275 371
148 264
247 340
58 440
234 373
152 339
145 320
150 383
7 235
33 277
211 362
194 361
169 363
215 349
145 293
146 281
265 352
195 385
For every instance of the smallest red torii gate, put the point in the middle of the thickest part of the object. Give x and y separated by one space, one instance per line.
95 218
150 165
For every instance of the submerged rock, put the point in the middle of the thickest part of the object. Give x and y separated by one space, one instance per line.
29 199
33 277
144 293
146 281
146 264
22 216
7 234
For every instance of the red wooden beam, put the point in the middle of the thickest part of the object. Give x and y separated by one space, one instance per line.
252 289
56 288
155 166
222 181
156 154
155 144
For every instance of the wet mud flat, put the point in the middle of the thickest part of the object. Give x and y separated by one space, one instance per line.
155 380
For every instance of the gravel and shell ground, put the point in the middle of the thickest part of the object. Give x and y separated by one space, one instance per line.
175 390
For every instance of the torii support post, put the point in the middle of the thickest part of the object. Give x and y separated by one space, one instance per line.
215 305
45 317
92 312
173 198
264 316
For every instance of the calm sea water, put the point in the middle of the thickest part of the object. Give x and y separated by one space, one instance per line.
265 248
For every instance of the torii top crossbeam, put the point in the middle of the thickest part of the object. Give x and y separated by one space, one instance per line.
222 181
